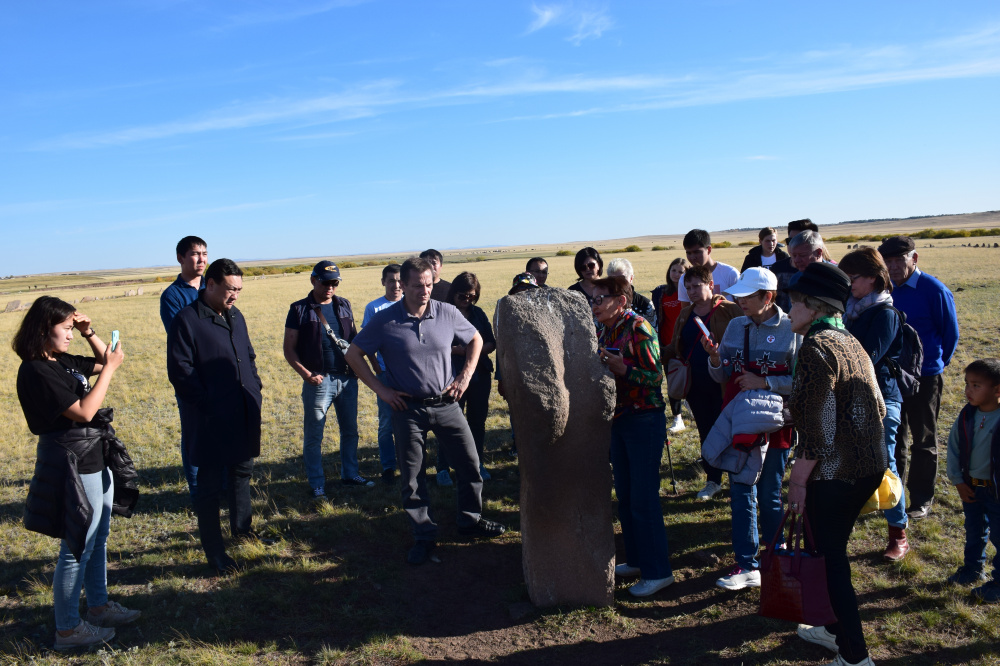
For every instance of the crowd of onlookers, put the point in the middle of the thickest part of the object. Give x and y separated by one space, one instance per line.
835 365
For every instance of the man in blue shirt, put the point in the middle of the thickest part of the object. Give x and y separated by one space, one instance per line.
930 309
192 255
317 331
415 337
386 445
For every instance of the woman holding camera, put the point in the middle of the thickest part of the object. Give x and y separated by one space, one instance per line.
72 490
627 344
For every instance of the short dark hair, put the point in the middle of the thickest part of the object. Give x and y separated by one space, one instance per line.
617 285
462 283
221 268
414 265
432 254
988 368
802 225
581 258
867 262
391 268
703 273
535 260
697 238
765 232
188 242
44 313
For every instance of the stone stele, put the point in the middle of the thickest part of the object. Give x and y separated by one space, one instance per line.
561 400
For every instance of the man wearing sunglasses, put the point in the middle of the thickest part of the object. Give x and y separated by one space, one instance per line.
318 330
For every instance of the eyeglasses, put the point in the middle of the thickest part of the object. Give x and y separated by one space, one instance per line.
854 277
599 300
469 296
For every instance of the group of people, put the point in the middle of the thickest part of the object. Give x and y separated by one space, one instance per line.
821 344
834 375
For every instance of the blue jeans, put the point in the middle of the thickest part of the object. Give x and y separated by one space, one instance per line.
91 572
980 516
746 542
386 443
896 516
341 391
636 449
189 421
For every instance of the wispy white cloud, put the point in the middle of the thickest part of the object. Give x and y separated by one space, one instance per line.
320 136
584 21
973 55
188 214
273 13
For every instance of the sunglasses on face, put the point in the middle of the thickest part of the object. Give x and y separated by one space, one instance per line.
330 283
471 296
590 264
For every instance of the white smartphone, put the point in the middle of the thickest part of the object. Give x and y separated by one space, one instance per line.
114 340
704 329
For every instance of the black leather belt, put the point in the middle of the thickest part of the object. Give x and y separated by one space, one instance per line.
431 402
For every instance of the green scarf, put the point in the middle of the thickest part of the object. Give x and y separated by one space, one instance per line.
824 323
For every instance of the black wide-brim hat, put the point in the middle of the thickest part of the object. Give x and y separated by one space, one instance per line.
823 281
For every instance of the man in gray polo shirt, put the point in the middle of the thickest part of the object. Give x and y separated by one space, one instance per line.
415 337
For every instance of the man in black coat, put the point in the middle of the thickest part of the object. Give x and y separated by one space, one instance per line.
210 362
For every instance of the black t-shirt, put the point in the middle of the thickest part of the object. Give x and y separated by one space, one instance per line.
440 291
46 389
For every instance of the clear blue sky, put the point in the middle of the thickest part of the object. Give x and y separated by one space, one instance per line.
295 128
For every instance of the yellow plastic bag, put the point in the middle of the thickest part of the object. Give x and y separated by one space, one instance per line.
887 495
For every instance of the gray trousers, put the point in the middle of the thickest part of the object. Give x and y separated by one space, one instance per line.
409 429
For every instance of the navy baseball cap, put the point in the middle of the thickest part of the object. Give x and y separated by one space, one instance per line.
326 270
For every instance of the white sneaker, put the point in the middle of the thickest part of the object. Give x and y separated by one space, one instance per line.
84 635
840 661
678 425
738 578
626 570
710 490
818 635
644 587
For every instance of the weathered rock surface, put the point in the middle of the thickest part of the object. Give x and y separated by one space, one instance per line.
561 401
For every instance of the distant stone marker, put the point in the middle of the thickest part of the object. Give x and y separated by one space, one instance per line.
138 291
87 299
561 401
12 305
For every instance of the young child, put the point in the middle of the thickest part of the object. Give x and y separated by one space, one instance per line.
974 467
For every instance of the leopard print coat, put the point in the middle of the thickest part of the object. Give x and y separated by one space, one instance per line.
838 408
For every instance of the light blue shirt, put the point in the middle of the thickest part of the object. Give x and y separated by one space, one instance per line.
379 304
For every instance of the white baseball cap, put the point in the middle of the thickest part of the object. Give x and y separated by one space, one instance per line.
753 280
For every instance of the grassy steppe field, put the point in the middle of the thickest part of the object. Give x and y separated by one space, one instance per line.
334 588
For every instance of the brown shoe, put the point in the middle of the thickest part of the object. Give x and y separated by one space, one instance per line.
898 547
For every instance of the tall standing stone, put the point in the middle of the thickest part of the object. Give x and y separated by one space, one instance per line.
12 306
561 401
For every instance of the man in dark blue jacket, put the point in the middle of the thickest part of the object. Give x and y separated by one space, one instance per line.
211 364
192 255
317 331
930 309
